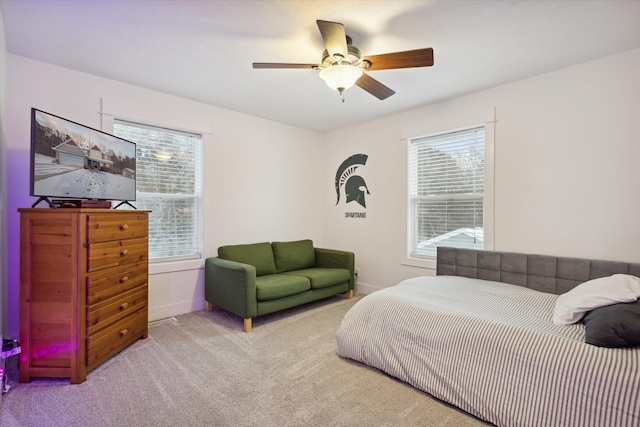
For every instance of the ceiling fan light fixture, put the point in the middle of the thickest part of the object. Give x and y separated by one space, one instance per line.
342 64
340 77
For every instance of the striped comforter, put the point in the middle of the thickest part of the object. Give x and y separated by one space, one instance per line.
491 349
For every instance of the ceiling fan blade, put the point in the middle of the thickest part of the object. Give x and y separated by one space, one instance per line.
279 65
334 38
374 87
407 59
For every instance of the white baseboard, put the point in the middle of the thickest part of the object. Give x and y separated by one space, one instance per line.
363 288
163 312
175 309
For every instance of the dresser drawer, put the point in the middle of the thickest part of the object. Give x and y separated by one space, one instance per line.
107 227
103 314
111 282
114 338
117 253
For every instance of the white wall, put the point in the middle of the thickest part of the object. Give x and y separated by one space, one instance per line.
566 175
261 178
567 180
3 181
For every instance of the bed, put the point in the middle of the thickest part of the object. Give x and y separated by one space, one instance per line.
480 336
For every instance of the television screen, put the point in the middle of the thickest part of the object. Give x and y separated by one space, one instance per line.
70 160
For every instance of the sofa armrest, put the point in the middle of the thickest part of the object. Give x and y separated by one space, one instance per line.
231 285
333 258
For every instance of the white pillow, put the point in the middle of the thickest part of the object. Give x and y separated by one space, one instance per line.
572 306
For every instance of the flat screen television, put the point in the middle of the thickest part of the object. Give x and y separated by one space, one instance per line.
73 161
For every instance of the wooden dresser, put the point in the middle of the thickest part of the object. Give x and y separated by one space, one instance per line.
83 288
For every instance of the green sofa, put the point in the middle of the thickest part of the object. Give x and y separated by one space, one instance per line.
260 278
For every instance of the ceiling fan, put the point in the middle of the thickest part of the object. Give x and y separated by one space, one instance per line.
343 66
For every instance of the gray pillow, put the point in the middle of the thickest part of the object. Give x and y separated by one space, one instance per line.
616 325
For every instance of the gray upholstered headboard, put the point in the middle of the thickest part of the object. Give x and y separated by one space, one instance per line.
544 273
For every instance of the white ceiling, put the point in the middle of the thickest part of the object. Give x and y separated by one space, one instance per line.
203 50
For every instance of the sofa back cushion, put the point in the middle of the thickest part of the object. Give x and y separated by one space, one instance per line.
259 255
296 255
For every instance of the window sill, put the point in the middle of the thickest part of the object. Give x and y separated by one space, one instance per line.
175 266
428 263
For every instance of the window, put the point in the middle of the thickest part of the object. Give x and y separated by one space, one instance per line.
446 191
169 183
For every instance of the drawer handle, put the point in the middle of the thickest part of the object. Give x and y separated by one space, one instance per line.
124 332
123 279
124 305
124 252
124 227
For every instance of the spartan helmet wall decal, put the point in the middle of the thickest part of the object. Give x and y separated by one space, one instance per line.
354 185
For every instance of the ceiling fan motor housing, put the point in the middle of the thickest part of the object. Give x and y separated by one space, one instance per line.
353 58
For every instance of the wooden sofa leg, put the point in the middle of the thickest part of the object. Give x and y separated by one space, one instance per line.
208 306
247 325
350 294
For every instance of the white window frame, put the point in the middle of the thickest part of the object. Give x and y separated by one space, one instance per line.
194 199
152 116
488 206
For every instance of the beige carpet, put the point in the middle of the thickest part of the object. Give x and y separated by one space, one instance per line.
202 369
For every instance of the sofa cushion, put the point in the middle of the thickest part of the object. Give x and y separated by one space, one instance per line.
274 286
259 255
322 277
296 255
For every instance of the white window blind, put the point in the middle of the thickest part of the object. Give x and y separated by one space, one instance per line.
169 183
446 191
